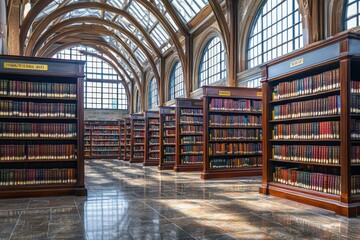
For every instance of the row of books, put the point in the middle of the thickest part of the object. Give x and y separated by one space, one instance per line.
169 124
321 182
169 118
35 109
191 159
154 141
234 121
108 149
191 111
191 119
355 128
234 148
310 108
226 104
218 163
235 134
191 129
139 133
154 121
169 132
191 140
105 144
355 184
114 128
355 154
169 149
12 153
169 140
51 152
311 130
154 156
139 148
197 149
307 153
168 158
313 84
13 177
154 128
138 154
355 87
37 89
106 138
105 132
45 130
153 135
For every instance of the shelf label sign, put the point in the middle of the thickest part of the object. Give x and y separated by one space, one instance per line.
259 94
297 62
172 111
224 93
26 66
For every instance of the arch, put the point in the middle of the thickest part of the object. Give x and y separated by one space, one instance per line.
336 16
153 92
93 5
172 81
39 7
36 43
98 30
210 34
85 43
263 44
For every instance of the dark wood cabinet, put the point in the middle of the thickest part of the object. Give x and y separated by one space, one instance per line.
232 132
167 138
189 135
311 125
41 127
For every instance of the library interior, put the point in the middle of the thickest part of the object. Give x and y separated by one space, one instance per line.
179 119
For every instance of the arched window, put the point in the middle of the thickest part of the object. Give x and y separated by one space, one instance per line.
137 105
212 65
153 95
276 31
102 86
176 84
351 14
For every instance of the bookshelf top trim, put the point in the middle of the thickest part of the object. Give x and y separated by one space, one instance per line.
347 44
167 110
189 103
42 66
232 92
152 114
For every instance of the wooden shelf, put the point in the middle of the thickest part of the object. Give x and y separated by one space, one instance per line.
306 163
224 112
332 64
70 74
306 97
302 119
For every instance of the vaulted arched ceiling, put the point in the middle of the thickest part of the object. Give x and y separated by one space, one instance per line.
137 32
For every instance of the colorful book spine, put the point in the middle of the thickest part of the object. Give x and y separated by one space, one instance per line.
235 134
223 163
311 108
325 81
311 130
234 121
307 153
225 104
191 159
321 182
234 148
15 177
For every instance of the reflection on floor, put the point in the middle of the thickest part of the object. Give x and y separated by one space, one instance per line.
131 202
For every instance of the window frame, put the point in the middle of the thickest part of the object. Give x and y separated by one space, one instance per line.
345 17
176 83
222 63
153 93
259 14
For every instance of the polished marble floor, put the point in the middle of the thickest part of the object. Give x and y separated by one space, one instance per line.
131 202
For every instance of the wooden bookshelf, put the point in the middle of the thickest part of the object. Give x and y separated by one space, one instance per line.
87 141
104 139
167 138
316 162
232 132
127 139
189 132
41 127
137 149
122 134
152 139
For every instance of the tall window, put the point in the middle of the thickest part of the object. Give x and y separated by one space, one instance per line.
176 84
276 31
351 14
153 95
102 87
212 65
